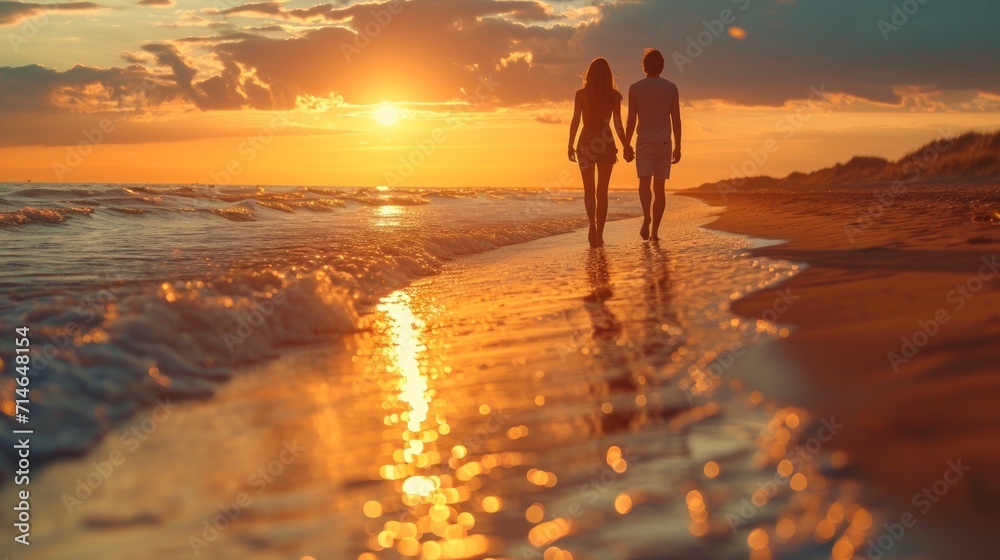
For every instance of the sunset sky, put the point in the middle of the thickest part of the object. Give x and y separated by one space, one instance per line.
472 92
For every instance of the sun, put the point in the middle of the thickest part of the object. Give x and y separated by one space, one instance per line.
387 115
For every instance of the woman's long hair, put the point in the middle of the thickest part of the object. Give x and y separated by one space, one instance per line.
599 83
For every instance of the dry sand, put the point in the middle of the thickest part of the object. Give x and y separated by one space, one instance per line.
919 265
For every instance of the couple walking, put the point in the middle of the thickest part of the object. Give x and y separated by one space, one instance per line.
653 105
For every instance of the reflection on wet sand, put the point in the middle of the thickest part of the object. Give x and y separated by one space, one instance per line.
627 446
621 390
427 516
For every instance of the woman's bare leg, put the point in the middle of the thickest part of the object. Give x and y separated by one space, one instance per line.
590 201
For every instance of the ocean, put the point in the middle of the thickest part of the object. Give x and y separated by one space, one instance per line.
136 292
327 373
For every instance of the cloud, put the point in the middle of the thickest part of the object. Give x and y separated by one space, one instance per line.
433 49
415 55
12 13
516 10
158 3
548 118
790 47
435 52
81 89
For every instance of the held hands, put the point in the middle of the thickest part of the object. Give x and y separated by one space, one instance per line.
629 154
677 155
572 154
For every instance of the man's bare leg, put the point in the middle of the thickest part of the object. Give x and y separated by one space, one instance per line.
603 182
646 198
659 205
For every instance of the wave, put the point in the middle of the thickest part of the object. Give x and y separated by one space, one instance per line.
52 205
29 215
236 213
107 350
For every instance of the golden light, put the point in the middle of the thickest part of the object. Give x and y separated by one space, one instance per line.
491 504
825 530
372 509
388 216
623 503
785 528
737 32
549 532
757 539
798 482
535 513
419 486
387 115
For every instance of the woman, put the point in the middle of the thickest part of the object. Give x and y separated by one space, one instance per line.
596 152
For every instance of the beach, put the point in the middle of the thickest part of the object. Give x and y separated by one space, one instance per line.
513 396
897 328
499 280
537 400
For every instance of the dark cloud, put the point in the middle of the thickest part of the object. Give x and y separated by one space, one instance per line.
215 39
790 46
265 28
548 119
227 91
433 51
80 89
388 52
517 10
12 13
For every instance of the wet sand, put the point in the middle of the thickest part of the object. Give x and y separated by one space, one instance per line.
540 400
898 328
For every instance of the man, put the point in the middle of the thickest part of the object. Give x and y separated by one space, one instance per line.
655 104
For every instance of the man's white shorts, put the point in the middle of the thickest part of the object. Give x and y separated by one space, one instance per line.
652 159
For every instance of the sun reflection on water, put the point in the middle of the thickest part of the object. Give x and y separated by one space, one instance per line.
424 518
459 496
388 216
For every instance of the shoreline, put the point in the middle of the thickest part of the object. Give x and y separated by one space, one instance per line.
515 378
584 385
896 328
